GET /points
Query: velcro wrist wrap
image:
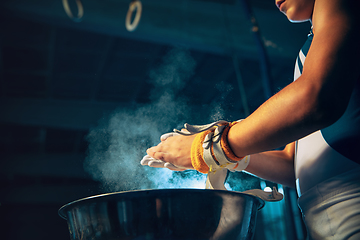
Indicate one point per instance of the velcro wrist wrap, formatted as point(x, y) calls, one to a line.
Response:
point(197, 153)
point(210, 150)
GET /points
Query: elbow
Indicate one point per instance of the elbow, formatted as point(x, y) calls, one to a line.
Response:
point(323, 109)
point(328, 115)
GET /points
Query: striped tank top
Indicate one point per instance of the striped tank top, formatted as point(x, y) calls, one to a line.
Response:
point(330, 151)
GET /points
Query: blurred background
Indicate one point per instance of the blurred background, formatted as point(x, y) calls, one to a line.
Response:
point(82, 98)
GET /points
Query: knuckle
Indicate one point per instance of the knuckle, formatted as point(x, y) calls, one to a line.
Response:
point(159, 155)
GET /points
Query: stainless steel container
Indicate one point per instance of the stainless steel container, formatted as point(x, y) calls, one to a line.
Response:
point(163, 215)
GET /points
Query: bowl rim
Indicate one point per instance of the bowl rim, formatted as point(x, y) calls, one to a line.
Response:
point(62, 211)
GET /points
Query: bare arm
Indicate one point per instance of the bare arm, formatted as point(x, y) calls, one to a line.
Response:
point(317, 98)
point(275, 166)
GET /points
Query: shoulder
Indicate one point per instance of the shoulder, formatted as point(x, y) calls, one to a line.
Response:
point(335, 14)
point(336, 27)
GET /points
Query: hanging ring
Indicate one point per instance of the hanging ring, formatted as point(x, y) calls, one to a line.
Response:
point(69, 13)
point(134, 5)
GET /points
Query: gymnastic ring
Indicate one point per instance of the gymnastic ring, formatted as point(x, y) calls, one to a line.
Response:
point(131, 26)
point(69, 13)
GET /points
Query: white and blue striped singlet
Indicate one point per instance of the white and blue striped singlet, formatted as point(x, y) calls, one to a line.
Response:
point(330, 151)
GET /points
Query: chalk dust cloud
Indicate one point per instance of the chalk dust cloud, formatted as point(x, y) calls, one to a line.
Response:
point(120, 140)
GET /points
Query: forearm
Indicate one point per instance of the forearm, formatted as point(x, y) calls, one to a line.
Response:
point(275, 166)
point(286, 117)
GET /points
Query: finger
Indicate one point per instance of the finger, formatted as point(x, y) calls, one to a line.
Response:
point(157, 155)
point(170, 166)
point(156, 163)
point(151, 151)
point(164, 156)
point(145, 160)
point(167, 135)
point(173, 167)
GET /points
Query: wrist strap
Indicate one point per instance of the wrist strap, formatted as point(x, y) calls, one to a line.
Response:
point(197, 153)
point(210, 150)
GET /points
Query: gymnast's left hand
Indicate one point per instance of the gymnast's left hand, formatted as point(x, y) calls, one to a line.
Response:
point(175, 150)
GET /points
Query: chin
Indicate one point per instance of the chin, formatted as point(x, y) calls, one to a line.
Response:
point(297, 19)
point(298, 16)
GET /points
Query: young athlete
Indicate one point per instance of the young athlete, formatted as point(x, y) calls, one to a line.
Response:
point(317, 117)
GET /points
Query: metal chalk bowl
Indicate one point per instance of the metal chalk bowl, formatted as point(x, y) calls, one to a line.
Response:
point(163, 214)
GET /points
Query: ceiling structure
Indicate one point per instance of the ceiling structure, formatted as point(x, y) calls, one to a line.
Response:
point(59, 78)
